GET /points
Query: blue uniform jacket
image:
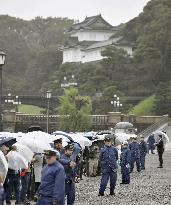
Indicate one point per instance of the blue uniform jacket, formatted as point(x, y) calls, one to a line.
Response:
point(151, 140)
point(69, 171)
point(135, 151)
point(108, 158)
point(53, 183)
point(125, 157)
point(143, 148)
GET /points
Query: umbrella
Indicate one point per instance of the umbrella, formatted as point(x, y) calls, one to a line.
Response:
point(123, 125)
point(7, 141)
point(83, 141)
point(25, 151)
point(121, 137)
point(36, 141)
point(16, 161)
point(33, 128)
point(63, 134)
point(164, 137)
point(3, 166)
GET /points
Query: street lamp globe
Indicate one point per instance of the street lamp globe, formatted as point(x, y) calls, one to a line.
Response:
point(2, 58)
point(48, 94)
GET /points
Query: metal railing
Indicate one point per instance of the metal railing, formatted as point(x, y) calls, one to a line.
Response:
point(154, 127)
point(95, 119)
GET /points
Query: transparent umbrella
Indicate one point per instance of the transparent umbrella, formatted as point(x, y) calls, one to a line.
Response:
point(25, 151)
point(16, 161)
point(3, 167)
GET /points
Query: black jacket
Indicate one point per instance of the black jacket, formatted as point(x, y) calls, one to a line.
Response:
point(160, 146)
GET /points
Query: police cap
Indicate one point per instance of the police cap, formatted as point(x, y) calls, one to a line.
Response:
point(69, 147)
point(108, 138)
point(50, 153)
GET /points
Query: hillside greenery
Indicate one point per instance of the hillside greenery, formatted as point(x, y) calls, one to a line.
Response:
point(34, 62)
point(145, 107)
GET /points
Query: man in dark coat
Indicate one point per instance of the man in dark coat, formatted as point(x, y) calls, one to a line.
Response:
point(52, 188)
point(160, 150)
point(108, 160)
point(151, 143)
point(143, 152)
point(125, 161)
point(135, 155)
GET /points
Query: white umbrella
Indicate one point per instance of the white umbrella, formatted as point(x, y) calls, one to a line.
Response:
point(36, 141)
point(3, 166)
point(164, 137)
point(83, 141)
point(16, 161)
point(121, 137)
point(24, 151)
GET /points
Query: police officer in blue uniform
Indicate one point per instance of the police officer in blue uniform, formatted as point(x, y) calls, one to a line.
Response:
point(69, 167)
point(108, 160)
point(125, 161)
point(151, 143)
point(52, 188)
point(143, 152)
point(135, 154)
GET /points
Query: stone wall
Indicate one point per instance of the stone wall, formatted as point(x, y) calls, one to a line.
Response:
point(18, 122)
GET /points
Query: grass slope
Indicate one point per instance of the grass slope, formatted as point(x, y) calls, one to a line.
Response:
point(30, 109)
point(145, 107)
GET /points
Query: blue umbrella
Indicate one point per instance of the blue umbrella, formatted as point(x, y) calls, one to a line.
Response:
point(7, 141)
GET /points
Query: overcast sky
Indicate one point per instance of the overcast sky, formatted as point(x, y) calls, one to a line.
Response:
point(114, 11)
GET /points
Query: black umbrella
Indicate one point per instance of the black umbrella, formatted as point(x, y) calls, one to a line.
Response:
point(8, 142)
point(33, 128)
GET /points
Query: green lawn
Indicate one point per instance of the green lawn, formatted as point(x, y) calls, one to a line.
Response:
point(30, 109)
point(145, 107)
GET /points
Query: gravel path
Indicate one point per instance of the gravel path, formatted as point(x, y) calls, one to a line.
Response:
point(150, 187)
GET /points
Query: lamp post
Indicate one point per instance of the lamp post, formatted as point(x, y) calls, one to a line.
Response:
point(67, 83)
point(2, 62)
point(116, 103)
point(48, 97)
point(10, 101)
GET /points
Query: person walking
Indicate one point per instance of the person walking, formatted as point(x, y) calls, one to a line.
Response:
point(143, 152)
point(108, 160)
point(52, 188)
point(160, 150)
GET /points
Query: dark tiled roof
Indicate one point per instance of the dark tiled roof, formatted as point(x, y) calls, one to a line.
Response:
point(91, 23)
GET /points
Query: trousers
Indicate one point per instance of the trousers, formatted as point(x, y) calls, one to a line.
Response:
point(106, 175)
point(133, 161)
point(93, 164)
point(125, 175)
point(70, 192)
point(13, 182)
point(142, 161)
point(44, 201)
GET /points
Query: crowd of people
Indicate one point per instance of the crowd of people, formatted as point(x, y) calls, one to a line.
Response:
point(51, 176)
